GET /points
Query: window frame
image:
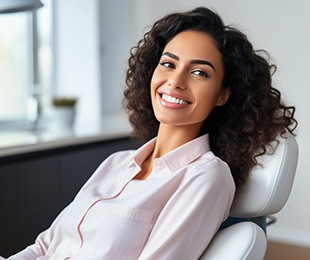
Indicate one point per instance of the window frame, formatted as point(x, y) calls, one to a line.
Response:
point(33, 83)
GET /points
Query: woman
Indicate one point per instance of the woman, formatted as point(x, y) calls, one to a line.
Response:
point(190, 80)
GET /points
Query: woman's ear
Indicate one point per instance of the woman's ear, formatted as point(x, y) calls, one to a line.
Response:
point(225, 95)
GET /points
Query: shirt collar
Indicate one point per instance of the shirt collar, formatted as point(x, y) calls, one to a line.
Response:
point(178, 157)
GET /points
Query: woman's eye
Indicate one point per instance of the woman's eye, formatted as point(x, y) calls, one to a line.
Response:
point(200, 73)
point(166, 64)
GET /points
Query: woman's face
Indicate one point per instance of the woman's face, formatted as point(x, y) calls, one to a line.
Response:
point(187, 83)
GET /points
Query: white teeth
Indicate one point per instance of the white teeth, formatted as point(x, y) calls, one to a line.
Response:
point(174, 100)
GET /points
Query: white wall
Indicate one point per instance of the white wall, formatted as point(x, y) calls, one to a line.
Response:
point(77, 55)
point(116, 28)
point(281, 27)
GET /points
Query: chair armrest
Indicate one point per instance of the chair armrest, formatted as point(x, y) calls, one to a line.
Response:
point(241, 241)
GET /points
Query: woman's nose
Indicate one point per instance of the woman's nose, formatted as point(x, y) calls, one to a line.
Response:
point(177, 80)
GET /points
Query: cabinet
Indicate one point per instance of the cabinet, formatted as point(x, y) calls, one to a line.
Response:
point(35, 187)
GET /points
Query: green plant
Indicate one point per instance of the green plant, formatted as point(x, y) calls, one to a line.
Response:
point(64, 102)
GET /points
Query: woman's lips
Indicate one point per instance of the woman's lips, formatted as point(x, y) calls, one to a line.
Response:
point(174, 101)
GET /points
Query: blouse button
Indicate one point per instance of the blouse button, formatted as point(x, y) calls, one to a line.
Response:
point(159, 163)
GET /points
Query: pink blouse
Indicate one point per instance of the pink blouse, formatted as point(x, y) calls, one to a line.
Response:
point(173, 214)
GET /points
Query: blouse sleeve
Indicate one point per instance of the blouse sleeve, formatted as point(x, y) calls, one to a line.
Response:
point(193, 215)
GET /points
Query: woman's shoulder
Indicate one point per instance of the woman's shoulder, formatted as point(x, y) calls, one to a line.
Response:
point(121, 155)
point(210, 161)
point(116, 160)
point(211, 167)
point(210, 176)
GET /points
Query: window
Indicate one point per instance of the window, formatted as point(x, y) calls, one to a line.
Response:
point(17, 55)
point(15, 61)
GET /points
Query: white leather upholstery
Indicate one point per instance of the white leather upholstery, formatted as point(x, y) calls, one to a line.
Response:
point(265, 192)
point(269, 184)
point(241, 241)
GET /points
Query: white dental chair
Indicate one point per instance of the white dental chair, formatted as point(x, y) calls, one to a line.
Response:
point(265, 193)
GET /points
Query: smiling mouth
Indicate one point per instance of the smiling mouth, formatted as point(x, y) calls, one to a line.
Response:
point(174, 100)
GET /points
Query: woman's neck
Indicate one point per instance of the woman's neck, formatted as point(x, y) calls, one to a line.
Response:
point(170, 137)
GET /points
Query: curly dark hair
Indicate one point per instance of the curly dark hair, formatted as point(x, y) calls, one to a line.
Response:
point(254, 115)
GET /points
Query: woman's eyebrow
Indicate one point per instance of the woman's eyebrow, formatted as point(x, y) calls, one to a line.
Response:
point(204, 62)
point(171, 55)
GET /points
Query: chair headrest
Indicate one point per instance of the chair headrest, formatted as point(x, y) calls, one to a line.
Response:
point(270, 182)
